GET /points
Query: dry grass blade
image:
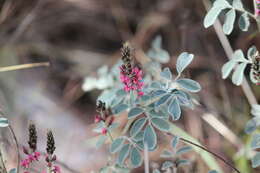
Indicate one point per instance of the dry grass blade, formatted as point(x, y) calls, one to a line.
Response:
point(24, 66)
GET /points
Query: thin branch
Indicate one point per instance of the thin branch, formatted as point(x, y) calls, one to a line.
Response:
point(23, 66)
point(2, 162)
point(214, 154)
point(146, 158)
point(17, 147)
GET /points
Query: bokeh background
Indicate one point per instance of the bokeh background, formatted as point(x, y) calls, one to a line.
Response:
point(79, 36)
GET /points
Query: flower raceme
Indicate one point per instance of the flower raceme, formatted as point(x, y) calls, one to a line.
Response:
point(130, 76)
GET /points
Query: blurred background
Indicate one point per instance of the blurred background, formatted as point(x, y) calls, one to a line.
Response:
point(79, 36)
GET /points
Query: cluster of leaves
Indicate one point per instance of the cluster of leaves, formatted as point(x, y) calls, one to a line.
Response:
point(251, 127)
point(230, 10)
point(238, 62)
point(164, 95)
point(173, 161)
point(152, 112)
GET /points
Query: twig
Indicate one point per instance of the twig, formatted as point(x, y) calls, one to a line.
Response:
point(146, 158)
point(17, 147)
point(214, 154)
point(23, 66)
point(2, 162)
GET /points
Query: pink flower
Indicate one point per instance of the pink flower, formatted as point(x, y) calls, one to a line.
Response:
point(103, 131)
point(140, 93)
point(30, 157)
point(97, 119)
point(25, 163)
point(132, 81)
point(56, 169)
point(36, 155)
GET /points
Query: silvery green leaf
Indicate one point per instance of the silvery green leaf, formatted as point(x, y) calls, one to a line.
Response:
point(175, 141)
point(140, 144)
point(255, 144)
point(183, 61)
point(120, 169)
point(166, 165)
point(256, 160)
point(163, 100)
point(121, 93)
point(157, 53)
point(255, 110)
point(183, 98)
point(251, 52)
point(182, 162)
point(150, 137)
point(123, 154)
point(101, 141)
point(213, 171)
point(160, 124)
point(158, 93)
point(99, 127)
point(4, 122)
point(252, 124)
point(139, 136)
point(156, 85)
point(166, 73)
point(238, 75)
point(183, 150)
point(13, 170)
point(189, 85)
point(113, 126)
point(159, 114)
point(157, 42)
point(137, 126)
point(135, 157)
point(214, 12)
point(238, 56)
point(174, 109)
point(227, 68)
point(119, 108)
point(117, 145)
point(229, 21)
point(238, 4)
point(222, 3)
point(104, 170)
point(166, 154)
point(244, 22)
point(156, 171)
point(134, 112)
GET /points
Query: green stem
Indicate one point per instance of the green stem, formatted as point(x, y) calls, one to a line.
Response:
point(110, 136)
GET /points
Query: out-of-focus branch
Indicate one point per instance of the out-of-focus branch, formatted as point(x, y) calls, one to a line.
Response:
point(229, 52)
